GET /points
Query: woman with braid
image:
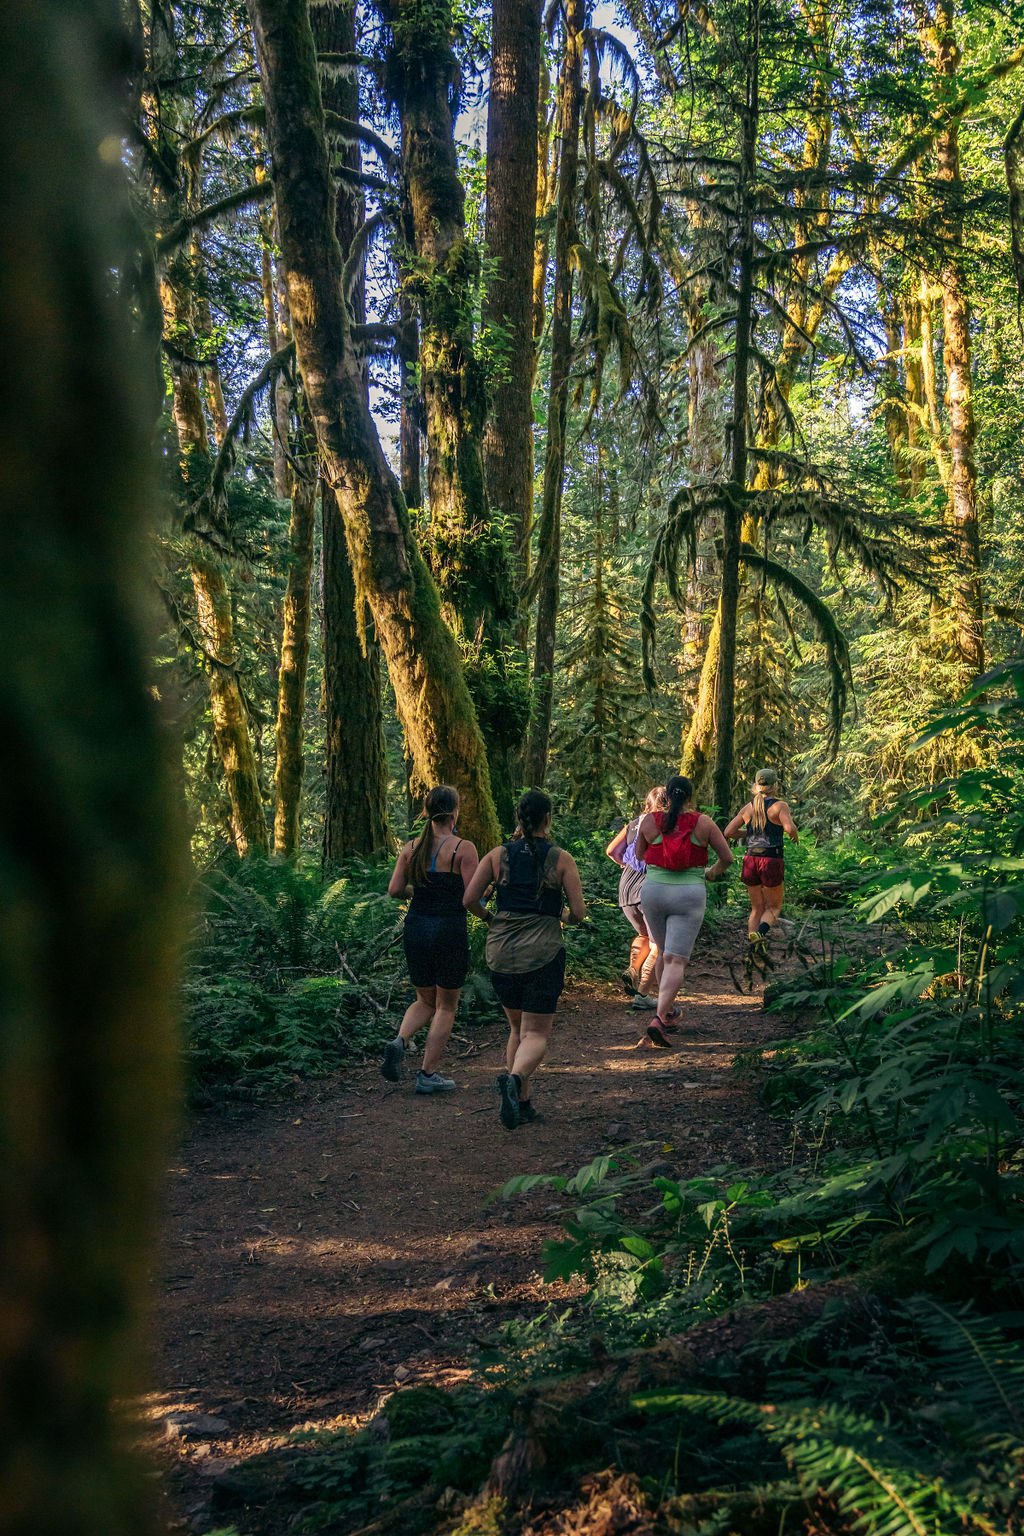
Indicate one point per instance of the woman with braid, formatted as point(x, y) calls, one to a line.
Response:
point(674, 845)
point(763, 822)
point(433, 870)
point(531, 876)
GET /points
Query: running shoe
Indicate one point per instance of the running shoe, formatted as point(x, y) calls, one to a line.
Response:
point(508, 1086)
point(643, 1004)
point(433, 1082)
point(527, 1113)
point(630, 978)
point(394, 1060)
point(657, 1035)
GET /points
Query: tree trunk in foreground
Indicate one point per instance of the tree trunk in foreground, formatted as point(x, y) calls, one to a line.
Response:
point(431, 695)
point(570, 97)
point(355, 768)
point(90, 868)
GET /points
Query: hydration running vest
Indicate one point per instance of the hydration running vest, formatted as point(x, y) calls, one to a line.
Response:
point(676, 850)
point(767, 842)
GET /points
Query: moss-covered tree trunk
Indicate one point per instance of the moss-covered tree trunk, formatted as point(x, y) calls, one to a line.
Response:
point(549, 532)
point(355, 788)
point(355, 767)
point(433, 701)
point(968, 591)
point(228, 711)
point(512, 182)
point(467, 546)
point(289, 727)
point(90, 866)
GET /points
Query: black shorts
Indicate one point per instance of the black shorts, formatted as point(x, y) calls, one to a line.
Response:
point(534, 991)
point(436, 951)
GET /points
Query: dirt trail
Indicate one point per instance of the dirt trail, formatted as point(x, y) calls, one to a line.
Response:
point(319, 1252)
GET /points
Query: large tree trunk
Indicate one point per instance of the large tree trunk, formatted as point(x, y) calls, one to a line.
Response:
point(90, 871)
point(355, 810)
point(431, 695)
point(968, 597)
point(725, 682)
point(512, 180)
point(289, 762)
point(228, 711)
point(355, 769)
point(549, 533)
point(467, 546)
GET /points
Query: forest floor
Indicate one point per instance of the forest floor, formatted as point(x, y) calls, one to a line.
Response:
point(319, 1252)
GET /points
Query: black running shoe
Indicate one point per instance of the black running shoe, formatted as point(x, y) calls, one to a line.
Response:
point(508, 1086)
point(527, 1113)
point(394, 1060)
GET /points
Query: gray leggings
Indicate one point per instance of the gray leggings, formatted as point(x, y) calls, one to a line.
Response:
point(674, 914)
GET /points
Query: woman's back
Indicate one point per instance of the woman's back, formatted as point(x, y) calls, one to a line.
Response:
point(528, 880)
point(439, 893)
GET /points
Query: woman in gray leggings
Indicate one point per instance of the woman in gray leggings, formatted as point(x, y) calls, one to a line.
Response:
point(674, 843)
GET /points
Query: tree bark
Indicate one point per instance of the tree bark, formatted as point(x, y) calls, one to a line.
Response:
point(433, 701)
point(228, 711)
point(91, 868)
point(512, 181)
point(968, 594)
point(355, 768)
point(355, 812)
point(570, 97)
point(725, 683)
point(289, 761)
point(467, 545)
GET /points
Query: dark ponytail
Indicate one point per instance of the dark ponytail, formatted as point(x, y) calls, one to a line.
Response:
point(678, 792)
point(533, 810)
point(441, 803)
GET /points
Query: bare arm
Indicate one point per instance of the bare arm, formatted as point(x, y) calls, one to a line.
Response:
point(572, 887)
point(483, 878)
point(781, 814)
point(646, 835)
point(398, 885)
point(467, 862)
point(706, 831)
point(617, 846)
point(737, 824)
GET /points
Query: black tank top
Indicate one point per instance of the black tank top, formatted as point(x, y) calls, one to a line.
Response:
point(525, 882)
point(440, 893)
point(770, 839)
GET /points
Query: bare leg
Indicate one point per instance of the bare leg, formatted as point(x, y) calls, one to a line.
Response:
point(757, 904)
point(534, 1039)
point(673, 968)
point(639, 951)
point(772, 895)
point(441, 1027)
point(649, 971)
point(515, 1024)
point(419, 1013)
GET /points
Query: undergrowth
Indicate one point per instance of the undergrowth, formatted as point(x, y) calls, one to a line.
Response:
point(836, 1348)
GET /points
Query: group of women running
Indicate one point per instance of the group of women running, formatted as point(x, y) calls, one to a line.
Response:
point(536, 887)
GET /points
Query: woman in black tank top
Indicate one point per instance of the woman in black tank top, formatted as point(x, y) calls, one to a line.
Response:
point(433, 871)
point(763, 822)
point(532, 877)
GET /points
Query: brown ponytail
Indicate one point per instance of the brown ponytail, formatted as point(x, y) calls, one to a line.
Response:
point(533, 810)
point(438, 805)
